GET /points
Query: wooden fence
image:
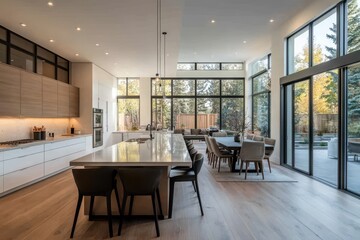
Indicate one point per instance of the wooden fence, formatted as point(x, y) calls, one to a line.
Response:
point(204, 120)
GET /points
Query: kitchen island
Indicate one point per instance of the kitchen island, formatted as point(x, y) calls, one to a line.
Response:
point(164, 151)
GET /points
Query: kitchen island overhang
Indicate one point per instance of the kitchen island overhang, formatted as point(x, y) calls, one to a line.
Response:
point(164, 151)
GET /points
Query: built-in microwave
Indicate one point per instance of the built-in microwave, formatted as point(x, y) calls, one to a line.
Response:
point(98, 118)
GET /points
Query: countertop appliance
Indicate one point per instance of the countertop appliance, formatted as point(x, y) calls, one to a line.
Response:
point(97, 127)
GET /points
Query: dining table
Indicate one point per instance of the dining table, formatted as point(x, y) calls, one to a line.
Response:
point(229, 143)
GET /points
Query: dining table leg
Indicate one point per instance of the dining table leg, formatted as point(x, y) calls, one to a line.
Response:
point(234, 160)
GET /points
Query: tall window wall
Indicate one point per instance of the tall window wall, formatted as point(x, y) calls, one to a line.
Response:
point(197, 103)
point(320, 96)
point(128, 104)
point(20, 52)
point(261, 85)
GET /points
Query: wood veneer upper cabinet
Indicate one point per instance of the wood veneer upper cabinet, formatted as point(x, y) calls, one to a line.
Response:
point(74, 101)
point(31, 95)
point(9, 91)
point(50, 97)
point(63, 99)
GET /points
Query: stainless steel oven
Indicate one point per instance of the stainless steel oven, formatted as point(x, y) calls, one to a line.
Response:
point(97, 127)
point(97, 137)
point(98, 118)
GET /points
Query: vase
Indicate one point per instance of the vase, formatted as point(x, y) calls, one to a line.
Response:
point(237, 138)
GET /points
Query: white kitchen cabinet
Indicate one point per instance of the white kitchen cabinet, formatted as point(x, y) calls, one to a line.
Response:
point(89, 144)
point(22, 165)
point(22, 162)
point(59, 154)
point(23, 176)
point(20, 152)
point(1, 172)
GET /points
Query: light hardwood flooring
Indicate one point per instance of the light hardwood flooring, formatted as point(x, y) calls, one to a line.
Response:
point(305, 209)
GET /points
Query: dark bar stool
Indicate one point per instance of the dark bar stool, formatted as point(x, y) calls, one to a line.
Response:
point(95, 182)
point(186, 176)
point(141, 181)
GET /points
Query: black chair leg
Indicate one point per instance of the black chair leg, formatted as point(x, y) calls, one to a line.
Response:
point(241, 166)
point(159, 203)
point(193, 185)
point(117, 199)
point(76, 215)
point(122, 213)
point(92, 199)
point(108, 202)
point(198, 195)
point(172, 183)
point(131, 204)
point(155, 215)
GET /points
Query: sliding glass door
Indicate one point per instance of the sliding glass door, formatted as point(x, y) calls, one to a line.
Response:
point(311, 123)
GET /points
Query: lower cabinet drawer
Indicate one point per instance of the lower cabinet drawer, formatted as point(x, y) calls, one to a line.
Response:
point(23, 176)
point(63, 152)
point(1, 168)
point(1, 184)
point(23, 162)
point(61, 163)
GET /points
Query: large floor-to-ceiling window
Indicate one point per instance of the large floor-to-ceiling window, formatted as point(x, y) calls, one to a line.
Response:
point(320, 95)
point(261, 85)
point(198, 103)
point(128, 101)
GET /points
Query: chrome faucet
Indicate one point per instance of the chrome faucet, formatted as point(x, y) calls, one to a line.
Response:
point(150, 128)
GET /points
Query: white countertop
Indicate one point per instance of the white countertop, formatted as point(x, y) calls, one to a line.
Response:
point(163, 150)
point(48, 140)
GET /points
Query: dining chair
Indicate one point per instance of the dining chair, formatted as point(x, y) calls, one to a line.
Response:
point(189, 176)
point(138, 181)
point(249, 136)
point(219, 134)
point(258, 138)
point(218, 154)
point(268, 152)
point(252, 152)
point(95, 182)
point(209, 150)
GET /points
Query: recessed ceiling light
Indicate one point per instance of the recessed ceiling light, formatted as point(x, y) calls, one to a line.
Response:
point(51, 40)
point(50, 4)
point(78, 29)
point(107, 53)
point(97, 44)
point(271, 20)
point(76, 54)
point(23, 24)
point(244, 41)
point(212, 21)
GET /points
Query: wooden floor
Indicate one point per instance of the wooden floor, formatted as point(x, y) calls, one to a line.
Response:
point(305, 209)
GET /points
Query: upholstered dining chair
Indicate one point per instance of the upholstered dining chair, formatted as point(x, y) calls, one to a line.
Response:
point(258, 138)
point(218, 154)
point(219, 134)
point(268, 152)
point(144, 182)
point(249, 136)
point(252, 152)
point(209, 150)
point(186, 176)
point(95, 182)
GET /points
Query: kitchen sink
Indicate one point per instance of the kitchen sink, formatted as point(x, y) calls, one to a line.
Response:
point(139, 140)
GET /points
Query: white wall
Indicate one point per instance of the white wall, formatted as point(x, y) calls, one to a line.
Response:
point(97, 90)
point(309, 13)
point(105, 91)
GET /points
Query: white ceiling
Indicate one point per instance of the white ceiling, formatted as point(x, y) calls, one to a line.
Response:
point(127, 30)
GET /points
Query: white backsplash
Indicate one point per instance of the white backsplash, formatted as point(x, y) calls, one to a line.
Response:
point(21, 128)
